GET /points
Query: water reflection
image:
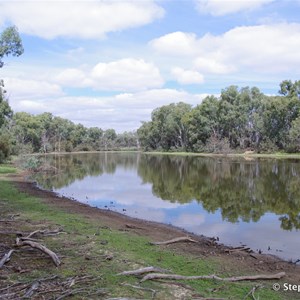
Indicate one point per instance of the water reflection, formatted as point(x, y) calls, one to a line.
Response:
point(213, 196)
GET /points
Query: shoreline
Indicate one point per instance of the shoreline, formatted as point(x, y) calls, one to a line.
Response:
point(84, 208)
point(99, 242)
point(195, 154)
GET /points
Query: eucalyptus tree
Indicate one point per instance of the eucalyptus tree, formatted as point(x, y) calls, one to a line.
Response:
point(10, 45)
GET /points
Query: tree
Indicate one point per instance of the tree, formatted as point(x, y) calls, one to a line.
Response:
point(289, 88)
point(10, 43)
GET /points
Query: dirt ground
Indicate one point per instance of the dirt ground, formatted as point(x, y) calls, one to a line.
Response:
point(232, 259)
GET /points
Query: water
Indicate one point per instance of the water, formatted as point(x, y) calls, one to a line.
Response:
point(251, 202)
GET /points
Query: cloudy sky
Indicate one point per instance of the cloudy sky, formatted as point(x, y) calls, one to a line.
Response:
point(110, 63)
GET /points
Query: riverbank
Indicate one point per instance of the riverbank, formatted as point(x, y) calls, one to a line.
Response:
point(246, 155)
point(100, 244)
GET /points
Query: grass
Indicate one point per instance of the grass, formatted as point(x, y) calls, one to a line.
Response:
point(254, 155)
point(86, 244)
point(7, 169)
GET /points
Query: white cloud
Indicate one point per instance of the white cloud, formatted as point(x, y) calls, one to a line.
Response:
point(211, 65)
point(79, 19)
point(31, 89)
point(124, 111)
point(73, 78)
point(187, 76)
point(127, 74)
point(176, 43)
point(262, 48)
point(222, 7)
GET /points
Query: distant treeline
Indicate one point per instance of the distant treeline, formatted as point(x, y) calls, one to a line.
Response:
point(238, 120)
point(47, 133)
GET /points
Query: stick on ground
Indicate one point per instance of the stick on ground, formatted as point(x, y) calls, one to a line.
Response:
point(154, 276)
point(6, 258)
point(143, 271)
point(175, 240)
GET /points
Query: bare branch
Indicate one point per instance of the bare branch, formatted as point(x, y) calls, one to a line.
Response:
point(154, 276)
point(6, 258)
point(143, 271)
point(175, 240)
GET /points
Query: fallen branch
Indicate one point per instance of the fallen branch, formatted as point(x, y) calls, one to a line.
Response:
point(20, 243)
point(176, 240)
point(154, 276)
point(6, 258)
point(143, 271)
point(43, 232)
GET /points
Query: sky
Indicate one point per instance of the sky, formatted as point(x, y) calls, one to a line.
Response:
point(109, 63)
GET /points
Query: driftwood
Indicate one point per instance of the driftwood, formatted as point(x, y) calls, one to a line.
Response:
point(6, 258)
point(20, 242)
point(143, 271)
point(175, 240)
point(154, 276)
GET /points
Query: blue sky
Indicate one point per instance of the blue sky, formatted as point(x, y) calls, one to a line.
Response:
point(110, 63)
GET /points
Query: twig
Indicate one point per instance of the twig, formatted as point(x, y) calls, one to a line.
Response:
point(176, 240)
point(6, 258)
point(143, 271)
point(154, 276)
point(252, 291)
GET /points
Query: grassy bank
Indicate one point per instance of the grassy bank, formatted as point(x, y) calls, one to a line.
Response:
point(87, 248)
point(252, 155)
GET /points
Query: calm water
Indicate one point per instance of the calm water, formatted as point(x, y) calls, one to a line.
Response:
point(250, 202)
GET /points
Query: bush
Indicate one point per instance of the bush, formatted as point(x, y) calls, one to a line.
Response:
point(267, 146)
point(31, 163)
point(5, 147)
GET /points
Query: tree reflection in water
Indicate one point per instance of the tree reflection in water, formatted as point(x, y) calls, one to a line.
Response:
point(243, 190)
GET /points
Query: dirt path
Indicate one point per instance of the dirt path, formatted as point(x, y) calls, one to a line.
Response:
point(231, 259)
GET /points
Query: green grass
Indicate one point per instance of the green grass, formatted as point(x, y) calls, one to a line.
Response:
point(85, 238)
point(7, 169)
point(254, 155)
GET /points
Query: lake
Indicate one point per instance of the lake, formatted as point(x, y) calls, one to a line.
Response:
point(254, 202)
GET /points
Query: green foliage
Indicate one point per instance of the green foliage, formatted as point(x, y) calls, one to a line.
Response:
point(31, 163)
point(290, 89)
point(7, 169)
point(10, 43)
point(5, 146)
point(239, 120)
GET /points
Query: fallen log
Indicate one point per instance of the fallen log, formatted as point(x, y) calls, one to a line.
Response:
point(20, 243)
point(6, 258)
point(143, 271)
point(175, 240)
point(154, 276)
